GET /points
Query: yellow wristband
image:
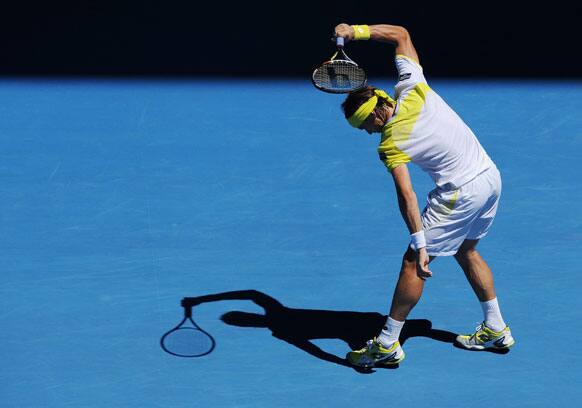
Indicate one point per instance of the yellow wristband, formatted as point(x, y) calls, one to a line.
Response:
point(361, 32)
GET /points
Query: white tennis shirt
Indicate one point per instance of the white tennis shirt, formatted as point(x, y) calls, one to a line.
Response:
point(426, 131)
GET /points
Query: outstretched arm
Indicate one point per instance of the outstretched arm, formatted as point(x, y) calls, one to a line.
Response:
point(259, 298)
point(408, 204)
point(392, 34)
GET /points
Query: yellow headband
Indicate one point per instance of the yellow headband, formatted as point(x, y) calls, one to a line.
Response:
point(367, 107)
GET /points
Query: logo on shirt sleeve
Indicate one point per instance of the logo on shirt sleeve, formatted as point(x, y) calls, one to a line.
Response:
point(404, 77)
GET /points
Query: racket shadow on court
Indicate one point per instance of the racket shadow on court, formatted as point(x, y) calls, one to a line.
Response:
point(187, 339)
point(299, 327)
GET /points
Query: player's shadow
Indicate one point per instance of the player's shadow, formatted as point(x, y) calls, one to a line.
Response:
point(300, 326)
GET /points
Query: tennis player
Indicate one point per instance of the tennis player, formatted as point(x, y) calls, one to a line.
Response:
point(417, 126)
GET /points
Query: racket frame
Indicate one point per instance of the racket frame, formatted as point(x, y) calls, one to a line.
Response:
point(187, 316)
point(339, 57)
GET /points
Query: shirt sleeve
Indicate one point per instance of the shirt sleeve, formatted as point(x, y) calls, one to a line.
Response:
point(392, 156)
point(409, 74)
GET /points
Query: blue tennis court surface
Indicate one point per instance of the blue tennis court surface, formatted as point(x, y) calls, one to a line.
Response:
point(119, 198)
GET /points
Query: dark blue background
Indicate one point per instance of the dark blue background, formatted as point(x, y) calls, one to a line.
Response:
point(253, 38)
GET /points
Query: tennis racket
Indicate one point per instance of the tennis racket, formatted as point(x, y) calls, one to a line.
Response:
point(187, 339)
point(340, 74)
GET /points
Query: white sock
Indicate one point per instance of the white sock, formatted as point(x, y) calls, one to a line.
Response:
point(390, 332)
point(492, 315)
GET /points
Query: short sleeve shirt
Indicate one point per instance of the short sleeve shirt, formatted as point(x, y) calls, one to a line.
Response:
point(426, 131)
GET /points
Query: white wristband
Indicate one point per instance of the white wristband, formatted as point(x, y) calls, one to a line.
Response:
point(417, 240)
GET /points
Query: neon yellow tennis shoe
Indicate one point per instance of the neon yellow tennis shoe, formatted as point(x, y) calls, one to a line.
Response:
point(376, 355)
point(485, 338)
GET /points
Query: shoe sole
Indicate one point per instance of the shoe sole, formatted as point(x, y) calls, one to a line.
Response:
point(379, 363)
point(478, 347)
point(390, 363)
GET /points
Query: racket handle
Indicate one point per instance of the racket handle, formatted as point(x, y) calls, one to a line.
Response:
point(188, 311)
point(187, 305)
point(339, 41)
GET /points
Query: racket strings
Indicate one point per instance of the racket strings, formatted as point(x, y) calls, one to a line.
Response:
point(187, 342)
point(339, 76)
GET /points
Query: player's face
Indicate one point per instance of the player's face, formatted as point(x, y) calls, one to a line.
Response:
point(372, 124)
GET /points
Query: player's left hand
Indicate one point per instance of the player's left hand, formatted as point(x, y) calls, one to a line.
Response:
point(344, 30)
point(422, 262)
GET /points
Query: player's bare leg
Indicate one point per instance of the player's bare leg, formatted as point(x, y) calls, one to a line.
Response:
point(386, 349)
point(406, 295)
point(408, 289)
point(476, 270)
point(493, 333)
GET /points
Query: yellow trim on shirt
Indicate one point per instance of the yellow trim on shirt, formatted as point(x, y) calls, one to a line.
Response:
point(399, 128)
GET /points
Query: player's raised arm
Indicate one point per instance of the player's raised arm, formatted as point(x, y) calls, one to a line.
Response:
point(392, 34)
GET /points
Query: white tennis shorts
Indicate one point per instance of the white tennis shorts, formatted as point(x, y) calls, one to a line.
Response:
point(451, 216)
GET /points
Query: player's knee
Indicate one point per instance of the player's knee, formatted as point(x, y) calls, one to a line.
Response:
point(466, 254)
point(409, 261)
point(409, 256)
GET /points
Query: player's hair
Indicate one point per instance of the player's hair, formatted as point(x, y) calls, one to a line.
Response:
point(357, 98)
